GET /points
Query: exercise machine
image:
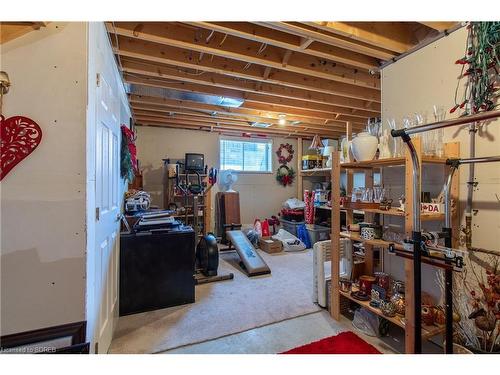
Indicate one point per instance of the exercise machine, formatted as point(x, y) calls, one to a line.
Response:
point(207, 251)
point(229, 226)
point(250, 261)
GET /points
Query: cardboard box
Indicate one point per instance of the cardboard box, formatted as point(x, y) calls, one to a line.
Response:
point(270, 245)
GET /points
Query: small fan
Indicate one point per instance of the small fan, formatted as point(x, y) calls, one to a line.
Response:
point(227, 179)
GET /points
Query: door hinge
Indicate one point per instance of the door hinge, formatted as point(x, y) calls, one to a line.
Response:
point(98, 79)
point(97, 213)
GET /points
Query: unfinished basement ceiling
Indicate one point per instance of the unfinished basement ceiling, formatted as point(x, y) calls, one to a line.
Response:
point(321, 75)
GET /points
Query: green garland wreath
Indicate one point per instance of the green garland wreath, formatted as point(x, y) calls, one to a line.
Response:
point(285, 175)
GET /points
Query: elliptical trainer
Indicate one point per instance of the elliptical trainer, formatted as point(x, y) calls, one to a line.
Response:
point(207, 250)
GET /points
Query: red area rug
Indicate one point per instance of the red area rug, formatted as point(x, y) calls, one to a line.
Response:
point(343, 343)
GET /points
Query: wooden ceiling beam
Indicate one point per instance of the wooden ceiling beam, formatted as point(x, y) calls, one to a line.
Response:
point(262, 116)
point(175, 35)
point(242, 127)
point(297, 43)
point(393, 36)
point(182, 124)
point(162, 54)
point(288, 105)
point(255, 132)
point(308, 116)
point(138, 67)
point(168, 110)
point(439, 26)
point(305, 43)
point(305, 30)
point(12, 30)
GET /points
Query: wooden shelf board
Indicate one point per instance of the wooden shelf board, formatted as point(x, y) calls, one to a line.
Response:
point(316, 172)
point(323, 207)
point(389, 162)
point(396, 212)
point(427, 331)
point(377, 243)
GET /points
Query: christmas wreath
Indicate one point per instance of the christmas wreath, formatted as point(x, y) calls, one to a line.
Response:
point(282, 159)
point(128, 154)
point(285, 175)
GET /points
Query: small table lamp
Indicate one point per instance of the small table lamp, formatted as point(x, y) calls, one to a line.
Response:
point(327, 151)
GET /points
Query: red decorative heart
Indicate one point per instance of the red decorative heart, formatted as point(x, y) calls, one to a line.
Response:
point(19, 137)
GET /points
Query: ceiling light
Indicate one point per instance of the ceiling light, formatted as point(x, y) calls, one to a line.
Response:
point(282, 119)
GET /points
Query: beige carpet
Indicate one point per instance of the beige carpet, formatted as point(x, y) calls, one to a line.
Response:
point(225, 307)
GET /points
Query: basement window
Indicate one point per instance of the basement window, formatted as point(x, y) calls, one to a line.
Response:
point(254, 156)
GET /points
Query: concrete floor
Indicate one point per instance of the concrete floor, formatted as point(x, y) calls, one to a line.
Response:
point(279, 337)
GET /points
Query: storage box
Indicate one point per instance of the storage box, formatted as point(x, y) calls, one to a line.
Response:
point(318, 233)
point(291, 226)
point(310, 162)
point(270, 245)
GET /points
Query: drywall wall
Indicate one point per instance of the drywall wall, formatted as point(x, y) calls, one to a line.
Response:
point(416, 83)
point(43, 197)
point(260, 194)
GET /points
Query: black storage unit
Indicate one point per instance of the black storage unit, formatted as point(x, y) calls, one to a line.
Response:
point(157, 269)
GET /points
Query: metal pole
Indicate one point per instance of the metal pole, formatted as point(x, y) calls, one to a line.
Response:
point(448, 274)
point(447, 197)
point(485, 159)
point(482, 116)
point(417, 238)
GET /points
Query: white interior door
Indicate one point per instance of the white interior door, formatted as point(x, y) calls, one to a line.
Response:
point(107, 185)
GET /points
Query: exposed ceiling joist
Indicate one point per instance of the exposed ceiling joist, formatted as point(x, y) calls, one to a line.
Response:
point(153, 52)
point(292, 42)
point(265, 111)
point(12, 30)
point(314, 32)
point(288, 105)
point(241, 128)
point(223, 130)
point(174, 35)
point(173, 110)
point(393, 36)
point(142, 68)
point(439, 26)
point(257, 115)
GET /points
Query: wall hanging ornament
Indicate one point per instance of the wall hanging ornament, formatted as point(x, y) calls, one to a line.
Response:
point(128, 154)
point(285, 175)
point(19, 137)
point(284, 159)
point(481, 69)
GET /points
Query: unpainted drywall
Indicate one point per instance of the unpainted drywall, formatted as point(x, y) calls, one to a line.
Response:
point(414, 84)
point(260, 194)
point(43, 197)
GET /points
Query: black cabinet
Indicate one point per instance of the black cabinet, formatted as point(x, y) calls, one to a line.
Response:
point(156, 269)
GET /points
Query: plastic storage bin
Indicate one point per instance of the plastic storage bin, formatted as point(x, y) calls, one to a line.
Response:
point(318, 233)
point(291, 226)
